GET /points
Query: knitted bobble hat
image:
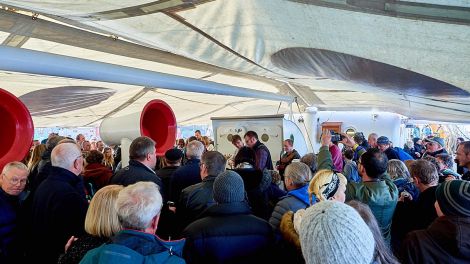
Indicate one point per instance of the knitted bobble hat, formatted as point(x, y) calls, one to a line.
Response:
point(453, 198)
point(333, 232)
point(228, 188)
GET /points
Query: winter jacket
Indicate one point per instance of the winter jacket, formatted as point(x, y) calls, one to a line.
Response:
point(228, 233)
point(404, 185)
point(391, 154)
point(350, 171)
point(262, 194)
point(165, 174)
point(291, 251)
point(183, 177)
point(135, 172)
point(97, 174)
point(413, 215)
point(194, 200)
point(336, 157)
point(79, 248)
point(59, 209)
point(130, 246)
point(381, 195)
point(295, 200)
point(435, 153)
point(446, 240)
point(10, 241)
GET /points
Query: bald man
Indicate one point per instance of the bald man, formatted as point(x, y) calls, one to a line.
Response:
point(59, 204)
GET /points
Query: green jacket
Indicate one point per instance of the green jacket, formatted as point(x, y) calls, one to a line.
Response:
point(381, 195)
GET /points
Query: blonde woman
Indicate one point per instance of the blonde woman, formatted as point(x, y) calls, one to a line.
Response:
point(108, 160)
point(327, 185)
point(101, 223)
point(207, 143)
point(36, 156)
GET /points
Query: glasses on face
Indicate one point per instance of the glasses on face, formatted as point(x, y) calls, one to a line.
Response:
point(15, 181)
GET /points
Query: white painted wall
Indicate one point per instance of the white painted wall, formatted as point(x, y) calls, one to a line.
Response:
point(384, 124)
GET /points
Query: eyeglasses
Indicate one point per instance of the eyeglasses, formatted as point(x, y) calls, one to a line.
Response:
point(15, 181)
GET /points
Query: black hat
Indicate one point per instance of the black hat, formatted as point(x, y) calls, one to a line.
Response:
point(173, 154)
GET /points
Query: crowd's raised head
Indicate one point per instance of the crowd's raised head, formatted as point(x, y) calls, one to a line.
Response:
point(141, 147)
point(53, 141)
point(67, 156)
point(310, 160)
point(374, 163)
point(173, 156)
point(424, 172)
point(333, 232)
point(94, 157)
point(194, 149)
point(214, 162)
point(327, 185)
point(101, 218)
point(297, 174)
point(14, 177)
point(228, 188)
point(138, 206)
point(397, 169)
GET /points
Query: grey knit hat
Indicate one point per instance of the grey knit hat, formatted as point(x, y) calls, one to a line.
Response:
point(333, 232)
point(228, 188)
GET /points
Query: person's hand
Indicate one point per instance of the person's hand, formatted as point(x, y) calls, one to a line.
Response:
point(69, 242)
point(405, 196)
point(450, 178)
point(347, 140)
point(418, 154)
point(325, 138)
point(172, 208)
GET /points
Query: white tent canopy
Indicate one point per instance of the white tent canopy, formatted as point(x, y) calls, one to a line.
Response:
point(408, 57)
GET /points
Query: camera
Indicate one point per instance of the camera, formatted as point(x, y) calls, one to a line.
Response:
point(335, 137)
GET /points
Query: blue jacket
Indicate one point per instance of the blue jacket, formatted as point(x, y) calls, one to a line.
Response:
point(130, 246)
point(228, 233)
point(295, 200)
point(404, 185)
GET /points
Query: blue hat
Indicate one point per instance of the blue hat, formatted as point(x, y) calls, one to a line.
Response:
point(437, 140)
point(383, 140)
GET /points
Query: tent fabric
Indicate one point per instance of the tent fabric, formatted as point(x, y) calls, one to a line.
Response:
point(408, 57)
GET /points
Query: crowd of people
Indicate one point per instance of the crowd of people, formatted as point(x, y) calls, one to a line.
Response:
point(356, 200)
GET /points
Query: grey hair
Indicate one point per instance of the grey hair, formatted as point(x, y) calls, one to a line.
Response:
point(397, 169)
point(64, 155)
point(140, 147)
point(298, 172)
point(14, 164)
point(194, 149)
point(138, 204)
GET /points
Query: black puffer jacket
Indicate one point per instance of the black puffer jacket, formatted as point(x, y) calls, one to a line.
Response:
point(228, 234)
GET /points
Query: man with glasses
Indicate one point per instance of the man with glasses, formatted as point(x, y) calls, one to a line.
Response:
point(434, 146)
point(59, 204)
point(12, 195)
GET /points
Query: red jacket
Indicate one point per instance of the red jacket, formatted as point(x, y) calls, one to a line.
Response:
point(98, 174)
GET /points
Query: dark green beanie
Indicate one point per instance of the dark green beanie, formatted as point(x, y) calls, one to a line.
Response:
point(453, 198)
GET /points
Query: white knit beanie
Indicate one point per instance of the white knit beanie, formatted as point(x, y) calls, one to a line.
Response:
point(333, 232)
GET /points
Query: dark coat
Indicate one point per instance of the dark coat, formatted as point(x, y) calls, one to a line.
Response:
point(165, 174)
point(183, 177)
point(97, 174)
point(135, 172)
point(194, 200)
point(391, 153)
point(446, 240)
point(413, 215)
point(228, 234)
point(79, 248)
point(262, 194)
point(59, 209)
point(435, 153)
point(10, 244)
